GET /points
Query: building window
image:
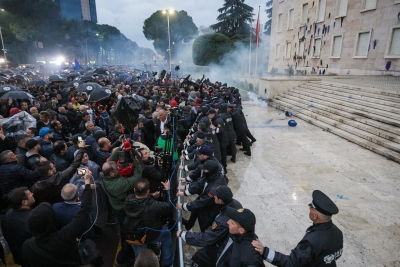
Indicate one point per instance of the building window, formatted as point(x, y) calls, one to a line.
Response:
point(393, 43)
point(336, 46)
point(290, 19)
point(280, 22)
point(362, 44)
point(301, 48)
point(304, 14)
point(342, 8)
point(277, 50)
point(321, 10)
point(288, 49)
point(369, 5)
point(317, 47)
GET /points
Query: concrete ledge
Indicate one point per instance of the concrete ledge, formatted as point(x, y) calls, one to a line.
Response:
point(268, 88)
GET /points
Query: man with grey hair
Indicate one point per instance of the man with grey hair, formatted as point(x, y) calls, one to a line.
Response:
point(66, 211)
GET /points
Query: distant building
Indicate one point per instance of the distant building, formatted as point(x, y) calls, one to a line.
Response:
point(338, 36)
point(78, 9)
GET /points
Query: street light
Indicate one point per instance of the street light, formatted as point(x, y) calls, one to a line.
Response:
point(2, 43)
point(168, 12)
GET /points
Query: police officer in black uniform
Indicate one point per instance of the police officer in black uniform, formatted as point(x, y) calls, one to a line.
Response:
point(321, 246)
point(212, 238)
point(227, 117)
point(238, 250)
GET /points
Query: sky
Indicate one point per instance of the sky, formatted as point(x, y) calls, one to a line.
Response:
point(128, 15)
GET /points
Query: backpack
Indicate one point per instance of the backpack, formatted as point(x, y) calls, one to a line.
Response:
point(132, 228)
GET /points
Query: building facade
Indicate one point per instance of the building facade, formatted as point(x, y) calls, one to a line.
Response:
point(356, 37)
point(78, 9)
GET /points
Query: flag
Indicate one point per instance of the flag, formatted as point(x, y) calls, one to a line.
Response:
point(77, 66)
point(258, 29)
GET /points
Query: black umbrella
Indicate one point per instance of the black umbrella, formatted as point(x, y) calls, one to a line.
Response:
point(57, 78)
point(9, 72)
point(85, 78)
point(7, 88)
point(73, 84)
point(101, 71)
point(73, 75)
point(2, 79)
point(87, 87)
point(99, 94)
point(16, 95)
point(39, 82)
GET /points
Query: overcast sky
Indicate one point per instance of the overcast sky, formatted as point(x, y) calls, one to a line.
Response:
point(128, 16)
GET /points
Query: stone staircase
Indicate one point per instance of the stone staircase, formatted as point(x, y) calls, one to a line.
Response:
point(366, 116)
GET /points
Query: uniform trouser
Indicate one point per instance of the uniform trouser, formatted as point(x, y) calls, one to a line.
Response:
point(224, 154)
point(249, 135)
point(126, 250)
point(232, 147)
point(245, 142)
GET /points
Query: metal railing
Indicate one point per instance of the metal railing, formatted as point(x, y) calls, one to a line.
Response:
point(180, 200)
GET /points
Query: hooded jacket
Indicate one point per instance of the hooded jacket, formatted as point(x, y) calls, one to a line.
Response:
point(151, 212)
point(53, 247)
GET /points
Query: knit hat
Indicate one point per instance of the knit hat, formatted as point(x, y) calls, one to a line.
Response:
point(14, 111)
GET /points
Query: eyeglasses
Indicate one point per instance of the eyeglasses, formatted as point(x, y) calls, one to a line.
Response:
point(311, 205)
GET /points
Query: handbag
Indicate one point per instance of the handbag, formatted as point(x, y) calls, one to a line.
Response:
point(89, 253)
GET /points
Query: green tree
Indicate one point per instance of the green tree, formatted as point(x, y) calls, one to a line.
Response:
point(182, 30)
point(234, 20)
point(268, 10)
point(210, 48)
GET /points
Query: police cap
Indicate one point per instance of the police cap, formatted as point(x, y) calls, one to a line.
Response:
point(323, 203)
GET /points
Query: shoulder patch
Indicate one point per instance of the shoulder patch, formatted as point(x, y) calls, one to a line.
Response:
point(214, 226)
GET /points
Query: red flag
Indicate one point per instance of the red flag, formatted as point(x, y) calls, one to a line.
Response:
point(258, 29)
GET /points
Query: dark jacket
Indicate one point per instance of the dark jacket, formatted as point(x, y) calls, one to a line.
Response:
point(212, 238)
point(60, 162)
point(59, 136)
point(32, 161)
point(321, 246)
point(66, 124)
point(71, 115)
point(238, 251)
point(151, 212)
point(230, 131)
point(204, 204)
point(70, 152)
point(153, 174)
point(48, 189)
point(14, 175)
point(20, 151)
point(100, 156)
point(239, 123)
point(7, 144)
point(46, 149)
point(15, 230)
point(59, 246)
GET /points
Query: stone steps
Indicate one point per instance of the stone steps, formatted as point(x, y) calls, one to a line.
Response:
point(386, 131)
point(355, 92)
point(373, 123)
point(314, 96)
point(354, 111)
point(369, 133)
point(358, 99)
point(360, 89)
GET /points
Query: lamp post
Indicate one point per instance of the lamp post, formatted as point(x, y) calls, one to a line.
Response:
point(168, 12)
point(2, 43)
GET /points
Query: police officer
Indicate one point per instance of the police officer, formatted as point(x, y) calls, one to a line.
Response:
point(238, 250)
point(227, 117)
point(321, 246)
point(240, 126)
point(212, 238)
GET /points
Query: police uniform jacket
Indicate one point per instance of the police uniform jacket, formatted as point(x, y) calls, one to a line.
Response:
point(321, 246)
point(238, 251)
point(212, 238)
point(239, 123)
point(227, 117)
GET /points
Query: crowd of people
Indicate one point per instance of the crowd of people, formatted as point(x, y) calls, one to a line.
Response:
point(79, 161)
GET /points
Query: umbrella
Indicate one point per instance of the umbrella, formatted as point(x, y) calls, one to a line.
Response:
point(2, 79)
point(16, 95)
point(73, 84)
point(102, 71)
point(87, 87)
point(99, 94)
point(7, 88)
point(85, 78)
point(56, 78)
point(9, 72)
point(73, 75)
point(37, 82)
